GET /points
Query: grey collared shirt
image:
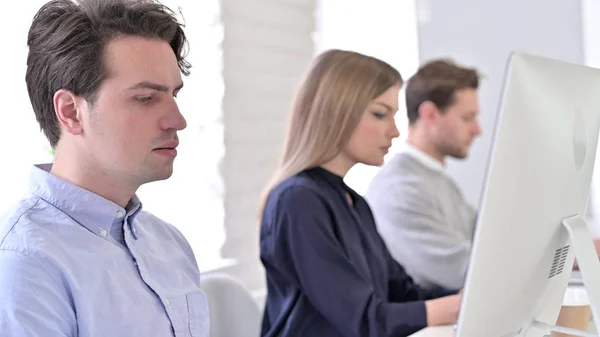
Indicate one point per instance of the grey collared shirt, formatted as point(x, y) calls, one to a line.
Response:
point(75, 264)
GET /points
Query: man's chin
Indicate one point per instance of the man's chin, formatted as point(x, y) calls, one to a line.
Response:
point(160, 175)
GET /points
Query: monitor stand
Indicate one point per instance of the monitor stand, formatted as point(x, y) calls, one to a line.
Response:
point(589, 266)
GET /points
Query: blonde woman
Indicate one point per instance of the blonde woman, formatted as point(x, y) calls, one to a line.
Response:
point(328, 272)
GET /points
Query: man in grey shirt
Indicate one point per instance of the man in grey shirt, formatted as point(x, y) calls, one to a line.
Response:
point(419, 210)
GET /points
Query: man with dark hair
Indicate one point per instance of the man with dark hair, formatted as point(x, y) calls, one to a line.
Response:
point(78, 256)
point(419, 210)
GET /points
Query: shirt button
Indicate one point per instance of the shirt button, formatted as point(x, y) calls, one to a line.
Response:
point(119, 215)
point(168, 302)
point(103, 232)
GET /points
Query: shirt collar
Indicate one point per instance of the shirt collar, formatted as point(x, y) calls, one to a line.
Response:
point(334, 179)
point(423, 157)
point(90, 210)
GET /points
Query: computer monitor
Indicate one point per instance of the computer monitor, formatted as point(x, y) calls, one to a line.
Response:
point(530, 224)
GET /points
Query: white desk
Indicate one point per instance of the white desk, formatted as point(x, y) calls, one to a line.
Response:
point(575, 294)
point(438, 331)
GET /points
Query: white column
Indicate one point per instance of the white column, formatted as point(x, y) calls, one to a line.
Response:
point(266, 47)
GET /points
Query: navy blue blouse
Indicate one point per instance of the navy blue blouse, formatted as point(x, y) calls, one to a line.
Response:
point(328, 271)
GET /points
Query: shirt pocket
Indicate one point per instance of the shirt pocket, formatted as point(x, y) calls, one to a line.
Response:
point(198, 314)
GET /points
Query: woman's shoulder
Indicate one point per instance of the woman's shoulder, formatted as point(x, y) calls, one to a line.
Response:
point(295, 189)
point(294, 199)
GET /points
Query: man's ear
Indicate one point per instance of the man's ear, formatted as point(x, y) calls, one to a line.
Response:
point(428, 112)
point(67, 108)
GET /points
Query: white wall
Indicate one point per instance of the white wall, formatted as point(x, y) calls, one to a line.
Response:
point(590, 10)
point(22, 142)
point(482, 34)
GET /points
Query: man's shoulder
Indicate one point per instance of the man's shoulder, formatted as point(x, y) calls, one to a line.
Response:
point(19, 220)
point(403, 163)
point(33, 229)
point(402, 173)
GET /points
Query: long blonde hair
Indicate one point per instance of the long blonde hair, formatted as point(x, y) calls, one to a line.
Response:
point(330, 101)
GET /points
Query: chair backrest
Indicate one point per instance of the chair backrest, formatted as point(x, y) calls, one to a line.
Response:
point(233, 311)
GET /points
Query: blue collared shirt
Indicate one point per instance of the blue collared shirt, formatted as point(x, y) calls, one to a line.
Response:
point(75, 264)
